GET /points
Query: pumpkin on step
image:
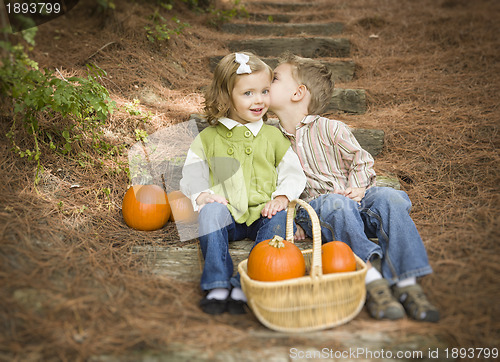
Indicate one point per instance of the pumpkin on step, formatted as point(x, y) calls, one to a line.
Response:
point(182, 209)
point(337, 257)
point(145, 207)
point(275, 259)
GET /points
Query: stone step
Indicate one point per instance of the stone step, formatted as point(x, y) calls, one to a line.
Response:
point(348, 100)
point(336, 344)
point(372, 140)
point(282, 6)
point(313, 47)
point(271, 17)
point(388, 181)
point(185, 263)
point(342, 70)
point(322, 29)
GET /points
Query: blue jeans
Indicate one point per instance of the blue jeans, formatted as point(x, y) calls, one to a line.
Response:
point(217, 229)
point(384, 214)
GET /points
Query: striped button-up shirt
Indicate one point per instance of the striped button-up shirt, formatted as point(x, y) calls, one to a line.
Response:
point(331, 157)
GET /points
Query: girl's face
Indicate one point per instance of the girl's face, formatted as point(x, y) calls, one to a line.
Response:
point(250, 97)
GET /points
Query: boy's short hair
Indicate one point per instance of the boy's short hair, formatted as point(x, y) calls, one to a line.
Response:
point(218, 95)
point(316, 76)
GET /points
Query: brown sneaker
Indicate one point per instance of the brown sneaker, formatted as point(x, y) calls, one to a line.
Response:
point(381, 303)
point(416, 304)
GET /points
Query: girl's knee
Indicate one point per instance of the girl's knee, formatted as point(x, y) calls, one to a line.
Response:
point(213, 213)
point(213, 209)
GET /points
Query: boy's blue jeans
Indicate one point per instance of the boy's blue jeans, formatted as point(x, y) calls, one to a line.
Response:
point(217, 229)
point(383, 213)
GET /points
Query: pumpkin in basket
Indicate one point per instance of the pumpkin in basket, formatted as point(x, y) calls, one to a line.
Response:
point(275, 259)
point(145, 207)
point(182, 209)
point(337, 257)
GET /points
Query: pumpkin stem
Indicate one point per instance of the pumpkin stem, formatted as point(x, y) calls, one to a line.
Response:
point(277, 242)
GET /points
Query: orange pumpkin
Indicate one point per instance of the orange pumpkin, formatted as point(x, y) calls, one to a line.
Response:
point(182, 209)
point(145, 207)
point(337, 257)
point(275, 259)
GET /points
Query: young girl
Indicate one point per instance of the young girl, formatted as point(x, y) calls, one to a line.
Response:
point(239, 173)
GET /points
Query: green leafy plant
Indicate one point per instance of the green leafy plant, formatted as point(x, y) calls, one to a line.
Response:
point(141, 135)
point(105, 5)
point(160, 30)
point(57, 112)
point(197, 5)
point(134, 110)
point(220, 16)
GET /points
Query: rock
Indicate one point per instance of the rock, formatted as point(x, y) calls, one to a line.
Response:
point(348, 100)
point(388, 181)
point(372, 140)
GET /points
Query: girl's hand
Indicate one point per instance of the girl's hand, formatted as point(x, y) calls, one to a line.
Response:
point(206, 198)
point(300, 234)
point(272, 207)
point(355, 193)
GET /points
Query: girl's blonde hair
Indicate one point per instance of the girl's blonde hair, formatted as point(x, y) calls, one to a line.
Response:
point(218, 95)
point(315, 76)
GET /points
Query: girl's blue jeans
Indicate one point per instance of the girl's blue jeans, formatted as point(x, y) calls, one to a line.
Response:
point(217, 229)
point(384, 214)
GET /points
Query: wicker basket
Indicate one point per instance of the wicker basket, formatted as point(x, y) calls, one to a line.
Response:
point(311, 302)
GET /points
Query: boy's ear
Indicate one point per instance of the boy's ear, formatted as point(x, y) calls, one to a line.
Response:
point(300, 93)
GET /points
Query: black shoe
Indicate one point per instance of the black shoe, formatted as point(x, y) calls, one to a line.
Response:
point(213, 306)
point(236, 306)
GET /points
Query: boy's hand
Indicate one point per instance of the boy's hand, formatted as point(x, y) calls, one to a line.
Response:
point(300, 234)
point(355, 193)
point(272, 207)
point(206, 198)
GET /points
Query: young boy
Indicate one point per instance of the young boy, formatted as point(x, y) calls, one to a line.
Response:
point(341, 189)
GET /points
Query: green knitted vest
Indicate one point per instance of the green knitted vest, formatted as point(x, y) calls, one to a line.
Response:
point(242, 167)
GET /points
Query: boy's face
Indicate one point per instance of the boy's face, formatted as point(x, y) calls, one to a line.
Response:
point(283, 87)
point(250, 97)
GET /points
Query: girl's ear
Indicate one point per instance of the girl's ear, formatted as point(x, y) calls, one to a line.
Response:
point(300, 93)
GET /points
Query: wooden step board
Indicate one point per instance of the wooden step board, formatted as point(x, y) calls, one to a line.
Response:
point(314, 47)
point(342, 70)
point(265, 29)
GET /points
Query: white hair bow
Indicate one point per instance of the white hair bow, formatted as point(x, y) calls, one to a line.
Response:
point(242, 60)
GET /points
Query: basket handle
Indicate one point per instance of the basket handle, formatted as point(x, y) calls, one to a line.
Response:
point(316, 266)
